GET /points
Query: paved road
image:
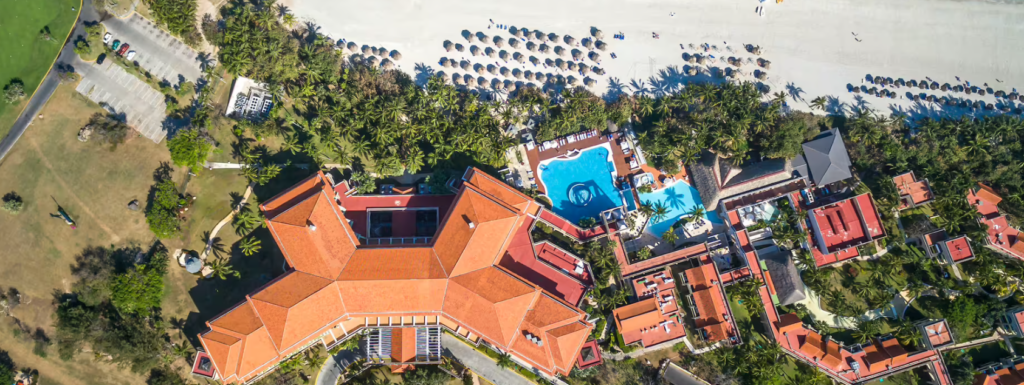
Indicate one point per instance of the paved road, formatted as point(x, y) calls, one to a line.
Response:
point(480, 363)
point(332, 369)
point(166, 57)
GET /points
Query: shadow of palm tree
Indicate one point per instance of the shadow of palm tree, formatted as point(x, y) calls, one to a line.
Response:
point(795, 92)
point(217, 244)
point(615, 90)
point(835, 107)
point(639, 88)
point(423, 74)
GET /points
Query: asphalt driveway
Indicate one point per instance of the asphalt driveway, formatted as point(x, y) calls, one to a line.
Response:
point(120, 92)
point(480, 363)
point(163, 55)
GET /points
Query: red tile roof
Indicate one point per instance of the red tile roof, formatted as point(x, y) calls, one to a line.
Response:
point(336, 279)
point(938, 334)
point(959, 249)
point(917, 191)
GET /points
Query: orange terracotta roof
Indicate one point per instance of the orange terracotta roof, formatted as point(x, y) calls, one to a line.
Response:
point(392, 264)
point(717, 332)
point(812, 345)
point(241, 320)
point(935, 237)
point(297, 305)
point(549, 312)
point(456, 243)
point(895, 351)
point(490, 301)
point(833, 355)
point(709, 305)
point(987, 194)
point(917, 190)
point(393, 296)
point(789, 322)
point(875, 357)
point(403, 344)
point(290, 197)
point(499, 190)
point(636, 316)
point(701, 277)
point(258, 352)
point(223, 349)
point(314, 237)
point(565, 343)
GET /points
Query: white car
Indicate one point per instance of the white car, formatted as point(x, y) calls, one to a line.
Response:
point(107, 37)
point(130, 55)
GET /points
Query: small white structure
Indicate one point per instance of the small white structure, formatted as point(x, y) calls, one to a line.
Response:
point(248, 99)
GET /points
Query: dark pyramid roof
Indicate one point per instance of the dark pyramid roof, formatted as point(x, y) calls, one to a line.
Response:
point(786, 278)
point(827, 158)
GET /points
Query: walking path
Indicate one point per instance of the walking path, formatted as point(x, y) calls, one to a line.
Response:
point(479, 362)
point(213, 233)
point(812, 302)
point(335, 365)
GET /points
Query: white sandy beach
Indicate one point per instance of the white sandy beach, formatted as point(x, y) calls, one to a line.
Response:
point(810, 43)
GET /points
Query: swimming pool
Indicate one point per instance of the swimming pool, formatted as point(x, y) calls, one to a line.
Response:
point(680, 199)
point(581, 187)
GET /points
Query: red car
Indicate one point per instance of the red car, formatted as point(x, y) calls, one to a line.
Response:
point(123, 49)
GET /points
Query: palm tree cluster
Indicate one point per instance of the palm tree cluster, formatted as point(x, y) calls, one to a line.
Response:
point(727, 119)
point(179, 16)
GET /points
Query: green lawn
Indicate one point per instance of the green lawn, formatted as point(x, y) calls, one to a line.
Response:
point(27, 57)
point(988, 353)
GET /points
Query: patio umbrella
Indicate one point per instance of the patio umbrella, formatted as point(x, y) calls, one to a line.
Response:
point(534, 60)
point(544, 48)
point(480, 69)
point(601, 45)
point(589, 82)
point(492, 69)
point(572, 66)
point(458, 80)
point(569, 40)
point(528, 75)
point(367, 50)
point(517, 73)
point(514, 43)
point(531, 46)
point(448, 46)
point(503, 55)
point(519, 57)
point(490, 52)
point(540, 36)
point(577, 54)
point(442, 75)
point(498, 41)
point(353, 47)
point(572, 80)
point(470, 81)
point(387, 64)
point(396, 55)
point(371, 61)
point(464, 65)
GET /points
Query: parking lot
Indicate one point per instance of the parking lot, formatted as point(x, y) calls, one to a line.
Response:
point(120, 92)
point(157, 51)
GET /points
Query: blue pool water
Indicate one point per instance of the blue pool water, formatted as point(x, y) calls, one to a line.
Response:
point(680, 199)
point(581, 187)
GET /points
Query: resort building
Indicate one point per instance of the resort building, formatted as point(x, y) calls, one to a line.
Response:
point(936, 334)
point(1013, 321)
point(399, 290)
point(1001, 236)
point(709, 308)
point(249, 99)
point(913, 192)
point(590, 355)
point(1005, 372)
point(956, 250)
point(650, 322)
point(837, 229)
point(782, 277)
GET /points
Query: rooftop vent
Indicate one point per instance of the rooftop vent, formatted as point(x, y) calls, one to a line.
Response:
point(311, 226)
point(472, 225)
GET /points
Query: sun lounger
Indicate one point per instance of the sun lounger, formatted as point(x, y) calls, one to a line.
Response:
point(572, 138)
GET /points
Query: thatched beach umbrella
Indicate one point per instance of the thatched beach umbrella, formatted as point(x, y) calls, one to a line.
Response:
point(691, 71)
point(572, 66)
point(525, 31)
point(589, 43)
point(372, 61)
point(528, 75)
point(944, 87)
point(571, 80)
point(448, 46)
point(540, 77)
point(367, 50)
point(544, 48)
point(589, 82)
point(912, 83)
point(534, 60)
point(353, 47)
point(484, 39)
point(577, 54)
point(969, 90)
point(548, 62)
point(387, 64)
point(506, 72)
point(736, 62)
point(877, 80)
point(497, 84)
point(764, 64)
point(490, 52)
point(458, 80)
point(596, 33)
point(560, 51)
point(514, 43)
point(464, 65)
point(563, 65)
point(754, 49)
point(701, 60)
point(557, 79)
point(765, 89)
point(584, 69)
point(396, 55)
point(934, 86)
point(569, 40)
point(517, 73)
point(378, 51)
point(760, 75)
point(900, 82)
point(470, 81)
point(531, 46)
point(442, 75)
point(459, 47)
point(510, 87)
point(1013, 96)
point(598, 70)
point(601, 45)
point(445, 63)
point(468, 35)
point(498, 41)
point(493, 69)
point(989, 107)
point(474, 50)
point(503, 55)
point(540, 36)
point(517, 32)
point(1000, 94)
point(479, 68)
point(519, 57)
point(982, 92)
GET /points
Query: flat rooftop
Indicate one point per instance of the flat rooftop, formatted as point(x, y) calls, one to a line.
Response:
point(845, 224)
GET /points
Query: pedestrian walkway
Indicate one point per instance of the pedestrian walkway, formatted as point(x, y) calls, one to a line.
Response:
point(335, 365)
point(479, 362)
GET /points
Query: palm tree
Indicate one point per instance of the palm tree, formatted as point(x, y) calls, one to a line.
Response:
point(749, 293)
point(505, 361)
point(805, 260)
point(246, 220)
point(660, 212)
point(866, 330)
point(221, 269)
point(818, 103)
point(288, 20)
point(250, 245)
point(182, 350)
point(647, 209)
point(697, 214)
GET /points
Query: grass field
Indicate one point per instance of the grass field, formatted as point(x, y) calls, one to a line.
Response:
point(25, 56)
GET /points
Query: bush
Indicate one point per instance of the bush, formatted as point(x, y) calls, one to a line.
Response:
point(364, 182)
point(14, 91)
point(189, 148)
point(13, 203)
point(162, 215)
point(645, 189)
point(587, 222)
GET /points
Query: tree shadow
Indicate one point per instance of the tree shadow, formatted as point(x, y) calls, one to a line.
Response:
point(615, 90)
point(795, 92)
point(833, 106)
point(423, 74)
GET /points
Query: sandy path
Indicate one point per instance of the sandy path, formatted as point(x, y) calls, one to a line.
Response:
point(809, 42)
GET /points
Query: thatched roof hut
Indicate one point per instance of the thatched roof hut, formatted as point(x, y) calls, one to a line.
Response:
point(396, 55)
point(493, 69)
point(589, 43)
point(506, 72)
point(572, 66)
point(517, 73)
point(371, 61)
point(490, 52)
point(448, 46)
point(503, 55)
point(498, 41)
point(519, 57)
point(560, 51)
point(474, 50)
point(458, 80)
point(514, 43)
point(596, 33)
point(569, 40)
point(598, 70)
point(479, 68)
point(544, 48)
point(589, 82)
point(601, 45)
point(553, 37)
point(531, 46)
point(353, 47)
point(445, 63)
point(465, 65)
point(534, 60)
point(459, 47)
point(540, 36)
point(387, 64)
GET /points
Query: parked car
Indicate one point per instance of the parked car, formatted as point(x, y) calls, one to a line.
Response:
point(117, 43)
point(107, 37)
point(123, 49)
point(130, 55)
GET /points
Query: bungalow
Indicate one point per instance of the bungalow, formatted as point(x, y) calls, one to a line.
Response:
point(1001, 236)
point(837, 229)
point(936, 334)
point(913, 192)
